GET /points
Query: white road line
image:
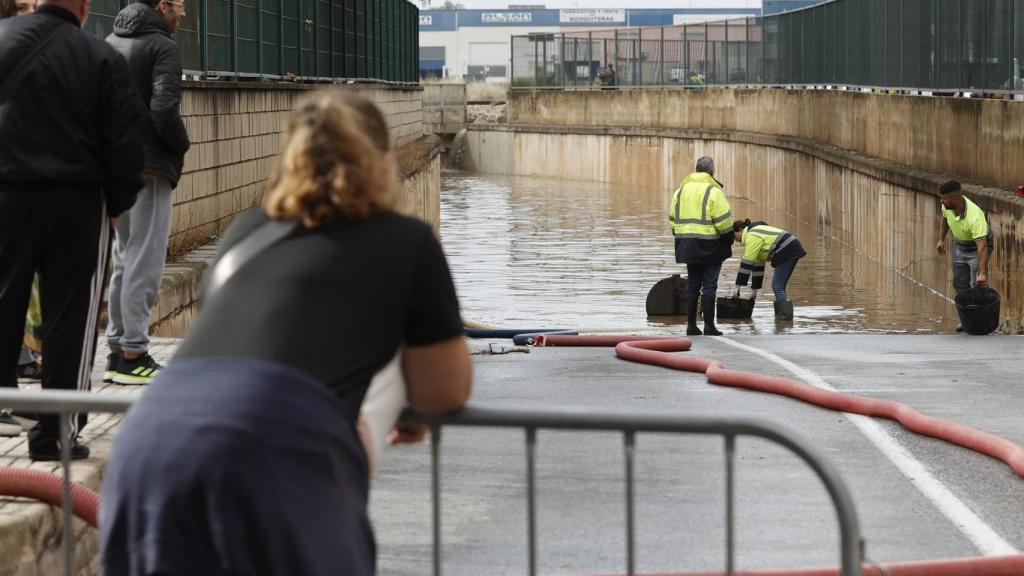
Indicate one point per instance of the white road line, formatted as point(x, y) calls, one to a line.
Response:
point(973, 527)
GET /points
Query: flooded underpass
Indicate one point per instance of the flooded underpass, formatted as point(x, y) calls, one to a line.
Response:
point(543, 252)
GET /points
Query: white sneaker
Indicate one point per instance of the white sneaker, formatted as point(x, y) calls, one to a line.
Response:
point(8, 425)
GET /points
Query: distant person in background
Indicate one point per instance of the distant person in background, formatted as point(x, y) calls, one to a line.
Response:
point(607, 77)
point(763, 243)
point(972, 238)
point(243, 456)
point(144, 35)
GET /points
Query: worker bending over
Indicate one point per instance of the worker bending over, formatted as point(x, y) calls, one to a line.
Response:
point(763, 243)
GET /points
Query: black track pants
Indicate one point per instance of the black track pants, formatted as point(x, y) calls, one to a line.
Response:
point(64, 235)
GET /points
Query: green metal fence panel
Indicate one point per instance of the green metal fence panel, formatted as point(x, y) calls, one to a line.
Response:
point(291, 35)
point(187, 37)
point(312, 40)
point(1017, 40)
point(338, 38)
point(307, 24)
point(247, 39)
point(271, 31)
point(218, 35)
point(101, 17)
point(946, 45)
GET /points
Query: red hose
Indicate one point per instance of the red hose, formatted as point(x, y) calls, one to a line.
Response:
point(49, 488)
point(655, 350)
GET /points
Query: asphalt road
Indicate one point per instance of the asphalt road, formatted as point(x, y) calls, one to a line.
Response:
point(957, 503)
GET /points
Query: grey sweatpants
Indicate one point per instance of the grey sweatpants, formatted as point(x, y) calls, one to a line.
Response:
point(140, 250)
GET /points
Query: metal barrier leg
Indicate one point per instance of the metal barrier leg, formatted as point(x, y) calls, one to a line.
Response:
point(531, 498)
point(629, 441)
point(65, 461)
point(730, 512)
point(435, 485)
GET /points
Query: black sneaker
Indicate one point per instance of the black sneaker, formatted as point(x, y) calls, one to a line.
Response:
point(139, 370)
point(111, 369)
point(49, 450)
point(30, 371)
point(8, 425)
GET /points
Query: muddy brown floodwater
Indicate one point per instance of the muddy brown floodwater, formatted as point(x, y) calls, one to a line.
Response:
point(531, 252)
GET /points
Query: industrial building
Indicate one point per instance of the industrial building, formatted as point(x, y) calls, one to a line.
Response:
point(476, 44)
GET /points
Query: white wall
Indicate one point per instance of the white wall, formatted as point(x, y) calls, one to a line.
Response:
point(457, 49)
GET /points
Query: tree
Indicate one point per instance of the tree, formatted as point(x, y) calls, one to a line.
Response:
point(448, 5)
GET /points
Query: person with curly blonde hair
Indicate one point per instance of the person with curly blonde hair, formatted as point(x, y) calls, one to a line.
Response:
point(242, 457)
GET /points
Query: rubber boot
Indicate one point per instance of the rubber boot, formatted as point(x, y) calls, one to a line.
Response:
point(691, 318)
point(784, 310)
point(708, 302)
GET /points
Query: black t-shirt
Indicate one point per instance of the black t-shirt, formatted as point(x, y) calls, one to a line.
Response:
point(335, 302)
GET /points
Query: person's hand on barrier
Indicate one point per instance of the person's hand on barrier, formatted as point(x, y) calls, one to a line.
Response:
point(982, 279)
point(941, 247)
point(406, 434)
point(754, 293)
point(735, 292)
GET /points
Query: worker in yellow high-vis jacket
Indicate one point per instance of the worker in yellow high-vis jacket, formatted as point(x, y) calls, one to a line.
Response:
point(761, 244)
point(702, 225)
point(972, 235)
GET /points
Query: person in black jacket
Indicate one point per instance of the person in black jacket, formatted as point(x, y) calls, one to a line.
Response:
point(71, 139)
point(143, 34)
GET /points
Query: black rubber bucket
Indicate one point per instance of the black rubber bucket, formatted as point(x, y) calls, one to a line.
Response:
point(979, 310)
point(735, 308)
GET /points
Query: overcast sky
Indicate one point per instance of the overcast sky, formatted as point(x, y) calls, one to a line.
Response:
point(575, 3)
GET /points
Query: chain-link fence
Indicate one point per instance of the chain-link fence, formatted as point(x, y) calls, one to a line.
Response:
point(312, 40)
point(930, 45)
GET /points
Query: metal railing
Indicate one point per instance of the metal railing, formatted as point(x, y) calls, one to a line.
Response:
point(935, 46)
point(64, 404)
point(304, 40)
point(628, 423)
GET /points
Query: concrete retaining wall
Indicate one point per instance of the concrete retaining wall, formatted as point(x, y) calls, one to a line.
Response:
point(444, 107)
point(874, 206)
point(236, 134)
point(974, 140)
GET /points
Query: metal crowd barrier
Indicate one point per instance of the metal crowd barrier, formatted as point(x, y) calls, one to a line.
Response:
point(530, 420)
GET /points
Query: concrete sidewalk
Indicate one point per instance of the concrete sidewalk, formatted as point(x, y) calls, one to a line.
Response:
point(30, 532)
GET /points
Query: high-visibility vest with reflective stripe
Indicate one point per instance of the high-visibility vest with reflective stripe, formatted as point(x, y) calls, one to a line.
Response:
point(760, 243)
point(699, 209)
